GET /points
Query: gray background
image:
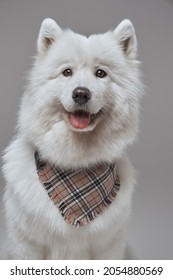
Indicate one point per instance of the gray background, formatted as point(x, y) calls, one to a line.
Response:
point(151, 226)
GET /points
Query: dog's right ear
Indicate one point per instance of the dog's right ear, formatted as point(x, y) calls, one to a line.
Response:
point(48, 34)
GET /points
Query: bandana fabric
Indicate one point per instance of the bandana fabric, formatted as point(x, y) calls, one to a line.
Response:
point(82, 194)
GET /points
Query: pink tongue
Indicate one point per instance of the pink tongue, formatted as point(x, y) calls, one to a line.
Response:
point(79, 119)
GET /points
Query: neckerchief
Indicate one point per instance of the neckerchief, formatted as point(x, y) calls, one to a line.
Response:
point(82, 194)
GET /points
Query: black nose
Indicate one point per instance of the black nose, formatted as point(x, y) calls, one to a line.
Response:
point(81, 95)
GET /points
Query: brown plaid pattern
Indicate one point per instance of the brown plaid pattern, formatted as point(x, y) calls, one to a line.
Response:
point(81, 194)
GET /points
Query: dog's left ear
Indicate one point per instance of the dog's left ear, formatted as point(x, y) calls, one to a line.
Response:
point(126, 38)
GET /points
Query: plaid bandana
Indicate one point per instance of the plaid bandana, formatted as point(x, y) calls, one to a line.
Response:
point(82, 194)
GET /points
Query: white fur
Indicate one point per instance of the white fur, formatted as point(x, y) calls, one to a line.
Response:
point(36, 230)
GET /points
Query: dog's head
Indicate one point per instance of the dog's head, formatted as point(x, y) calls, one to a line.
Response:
point(83, 93)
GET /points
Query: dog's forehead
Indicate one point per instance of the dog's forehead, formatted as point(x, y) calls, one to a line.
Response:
point(73, 46)
point(95, 43)
point(103, 47)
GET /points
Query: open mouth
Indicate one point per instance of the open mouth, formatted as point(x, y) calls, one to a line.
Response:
point(81, 119)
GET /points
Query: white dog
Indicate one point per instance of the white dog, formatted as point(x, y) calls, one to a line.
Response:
point(69, 184)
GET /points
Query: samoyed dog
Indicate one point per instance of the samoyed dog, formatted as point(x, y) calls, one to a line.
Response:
point(69, 182)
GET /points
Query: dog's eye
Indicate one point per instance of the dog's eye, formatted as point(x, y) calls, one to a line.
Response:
point(100, 73)
point(67, 72)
